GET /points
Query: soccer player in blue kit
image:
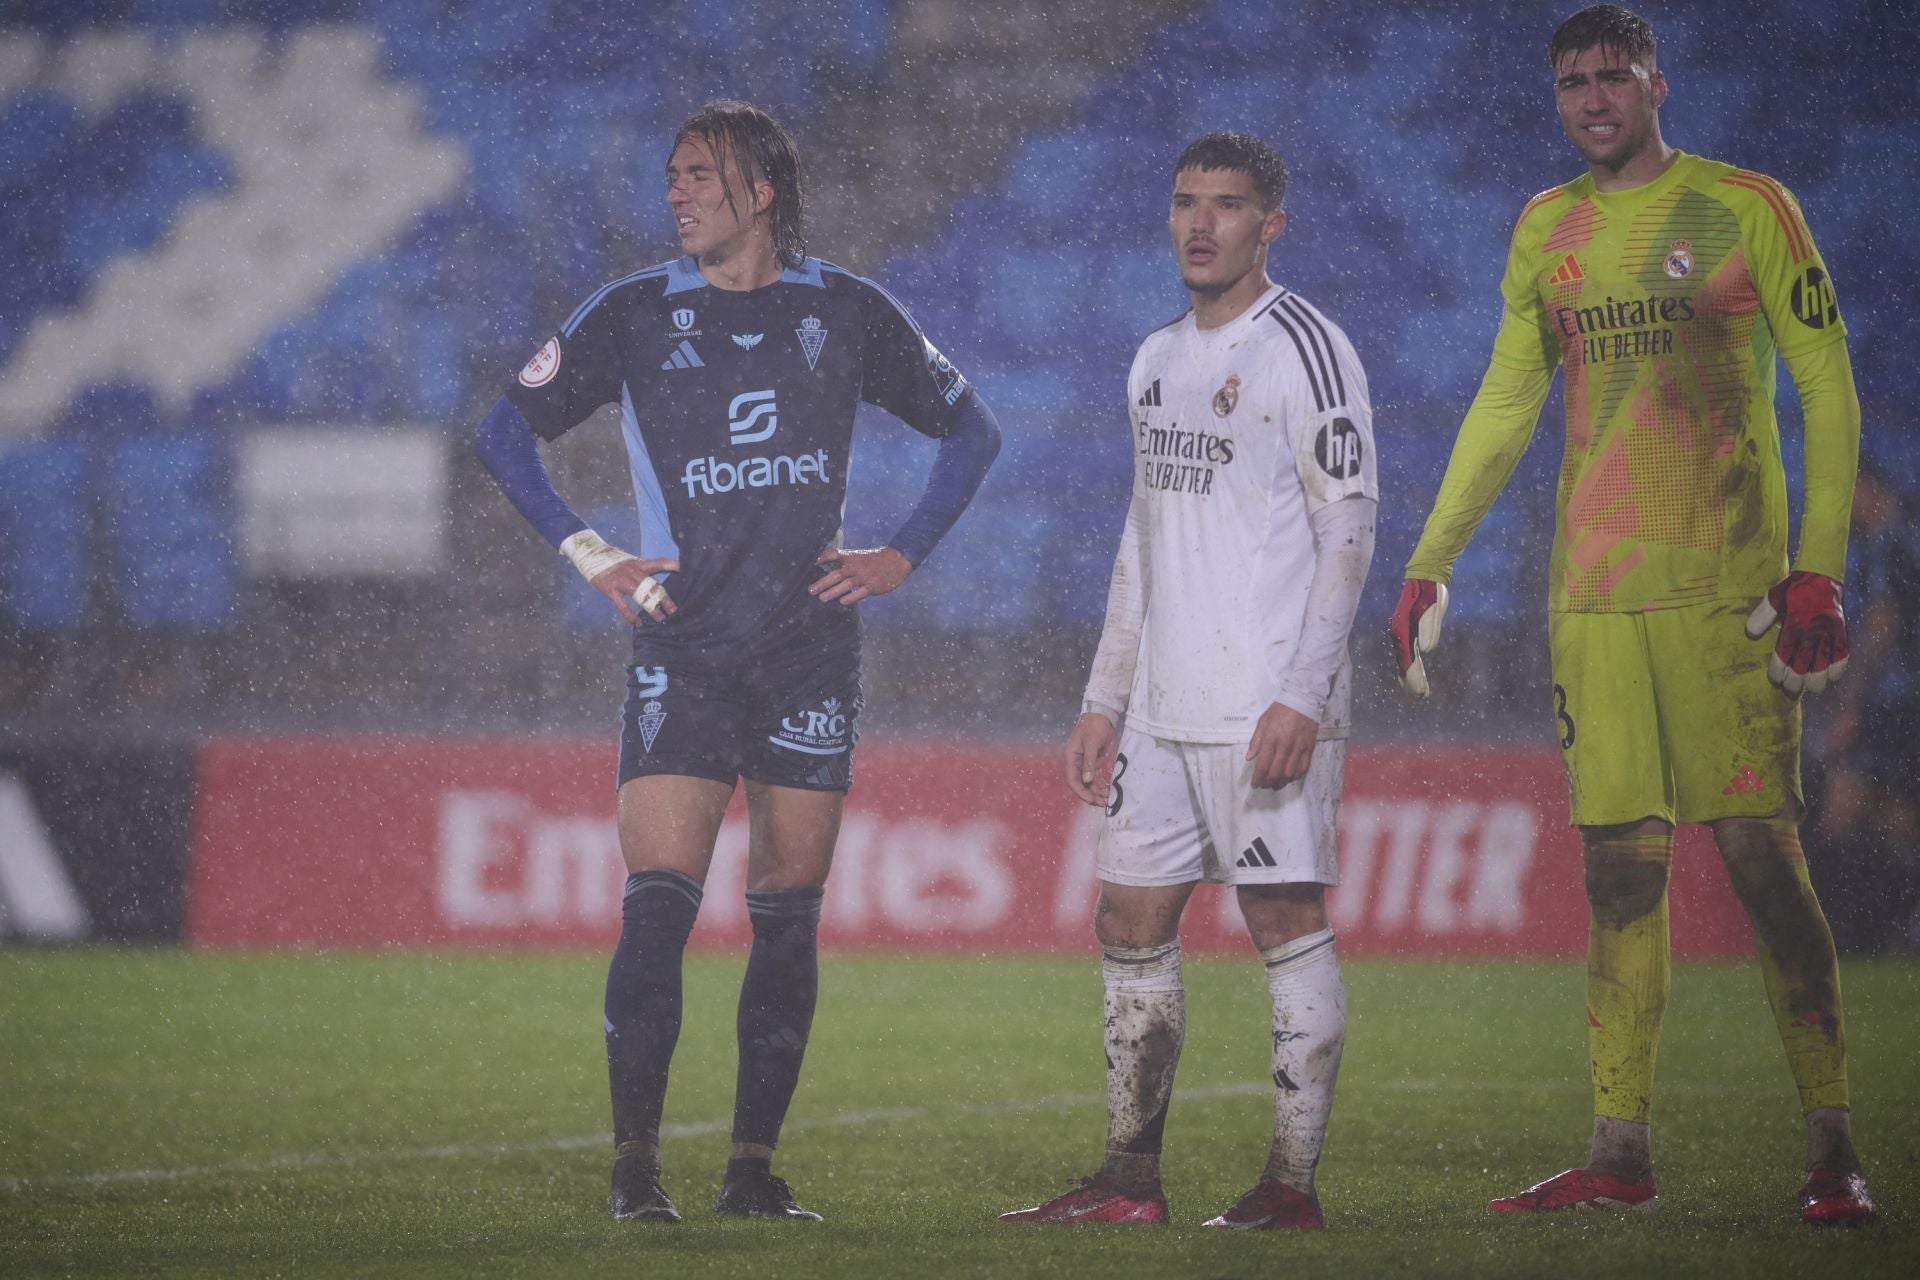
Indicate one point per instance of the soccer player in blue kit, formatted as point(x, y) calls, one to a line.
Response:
point(737, 368)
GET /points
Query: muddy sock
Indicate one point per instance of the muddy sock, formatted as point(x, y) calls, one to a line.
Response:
point(1309, 1033)
point(1146, 1023)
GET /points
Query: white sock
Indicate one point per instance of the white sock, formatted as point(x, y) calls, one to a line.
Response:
point(1309, 1031)
point(1146, 1023)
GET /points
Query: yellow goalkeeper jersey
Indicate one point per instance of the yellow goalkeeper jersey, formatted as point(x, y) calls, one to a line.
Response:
point(1666, 305)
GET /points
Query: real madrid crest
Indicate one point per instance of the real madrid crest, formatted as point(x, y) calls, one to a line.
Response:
point(1227, 396)
point(1679, 264)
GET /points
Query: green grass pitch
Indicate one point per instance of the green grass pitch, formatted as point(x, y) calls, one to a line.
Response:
point(175, 1114)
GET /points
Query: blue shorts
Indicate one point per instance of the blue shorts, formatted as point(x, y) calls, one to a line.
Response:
point(786, 719)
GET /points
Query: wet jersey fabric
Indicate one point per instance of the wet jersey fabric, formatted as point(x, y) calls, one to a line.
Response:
point(1666, 306)
point(1240, 435)
point(737, 412)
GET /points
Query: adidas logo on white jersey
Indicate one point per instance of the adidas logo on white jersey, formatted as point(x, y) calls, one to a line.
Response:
point(1150, 399)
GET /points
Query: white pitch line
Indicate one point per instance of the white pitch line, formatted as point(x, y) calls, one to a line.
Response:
point(708, 1128)
point(697, 1129)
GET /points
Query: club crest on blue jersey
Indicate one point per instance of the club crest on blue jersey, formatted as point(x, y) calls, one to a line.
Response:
point(812, 339)
point(816, 733)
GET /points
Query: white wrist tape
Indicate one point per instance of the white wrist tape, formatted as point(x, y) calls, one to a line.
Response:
point(591, 554)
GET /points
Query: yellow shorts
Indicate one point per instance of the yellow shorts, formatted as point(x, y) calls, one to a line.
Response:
point(1670, 715)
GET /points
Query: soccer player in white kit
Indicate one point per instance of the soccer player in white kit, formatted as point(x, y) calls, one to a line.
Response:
point(1224, 653)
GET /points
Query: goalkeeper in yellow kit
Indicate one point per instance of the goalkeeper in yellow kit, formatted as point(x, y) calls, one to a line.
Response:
point(1664, 284)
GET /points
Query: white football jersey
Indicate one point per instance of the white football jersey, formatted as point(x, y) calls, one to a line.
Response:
point(1240, 434)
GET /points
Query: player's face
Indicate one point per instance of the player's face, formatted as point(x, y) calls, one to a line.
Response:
point(1220, 232)
point(1607, 105)
point(712, 229)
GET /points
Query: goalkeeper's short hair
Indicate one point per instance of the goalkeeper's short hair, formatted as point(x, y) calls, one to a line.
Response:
point(1612, 28)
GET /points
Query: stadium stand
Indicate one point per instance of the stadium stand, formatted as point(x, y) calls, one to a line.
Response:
point(227, 215)
point(173, 545)
point(46, 513)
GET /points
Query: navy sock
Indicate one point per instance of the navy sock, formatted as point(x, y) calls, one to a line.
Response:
point(643, 1003)
point(776, 1009)
point(741, 1166)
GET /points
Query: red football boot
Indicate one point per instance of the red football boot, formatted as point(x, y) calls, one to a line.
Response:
point(1834, 1199)
point(1095, 1200)
point(1579, 1189)
point(1272, 1205)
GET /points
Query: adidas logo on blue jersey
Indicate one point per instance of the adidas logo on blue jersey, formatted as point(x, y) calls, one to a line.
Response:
point(683, 357)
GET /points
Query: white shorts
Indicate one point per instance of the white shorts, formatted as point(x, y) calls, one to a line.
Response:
point(1186, 811)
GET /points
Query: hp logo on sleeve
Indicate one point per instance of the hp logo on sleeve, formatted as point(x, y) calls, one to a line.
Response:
point(1812, 300)
point(1337, 449)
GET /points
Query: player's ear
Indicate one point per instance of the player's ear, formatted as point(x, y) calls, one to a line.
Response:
point(762, 196)
point(1658, 83)
point(1275, 223)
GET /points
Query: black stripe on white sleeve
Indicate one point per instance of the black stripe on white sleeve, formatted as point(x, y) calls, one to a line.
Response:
point(1309, 317)
point(1318, 356)
point(1306, 361)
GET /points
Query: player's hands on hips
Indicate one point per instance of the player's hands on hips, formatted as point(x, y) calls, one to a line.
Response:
point(630, 585)
point(1090, 750)
point(859, 574)
point(1812, 650)
point(1282, 746)
point(1416, 630)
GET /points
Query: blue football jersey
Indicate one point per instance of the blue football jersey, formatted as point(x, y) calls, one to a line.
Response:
point(737, 409)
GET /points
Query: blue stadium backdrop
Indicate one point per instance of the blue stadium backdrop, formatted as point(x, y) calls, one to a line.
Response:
point(266, 261)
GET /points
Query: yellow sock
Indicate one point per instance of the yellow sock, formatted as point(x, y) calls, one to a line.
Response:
point(1627, 969)
point(1803, 983)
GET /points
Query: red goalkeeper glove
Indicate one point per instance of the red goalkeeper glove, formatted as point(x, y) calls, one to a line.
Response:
point(1812, 650)
point(1416, 630)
